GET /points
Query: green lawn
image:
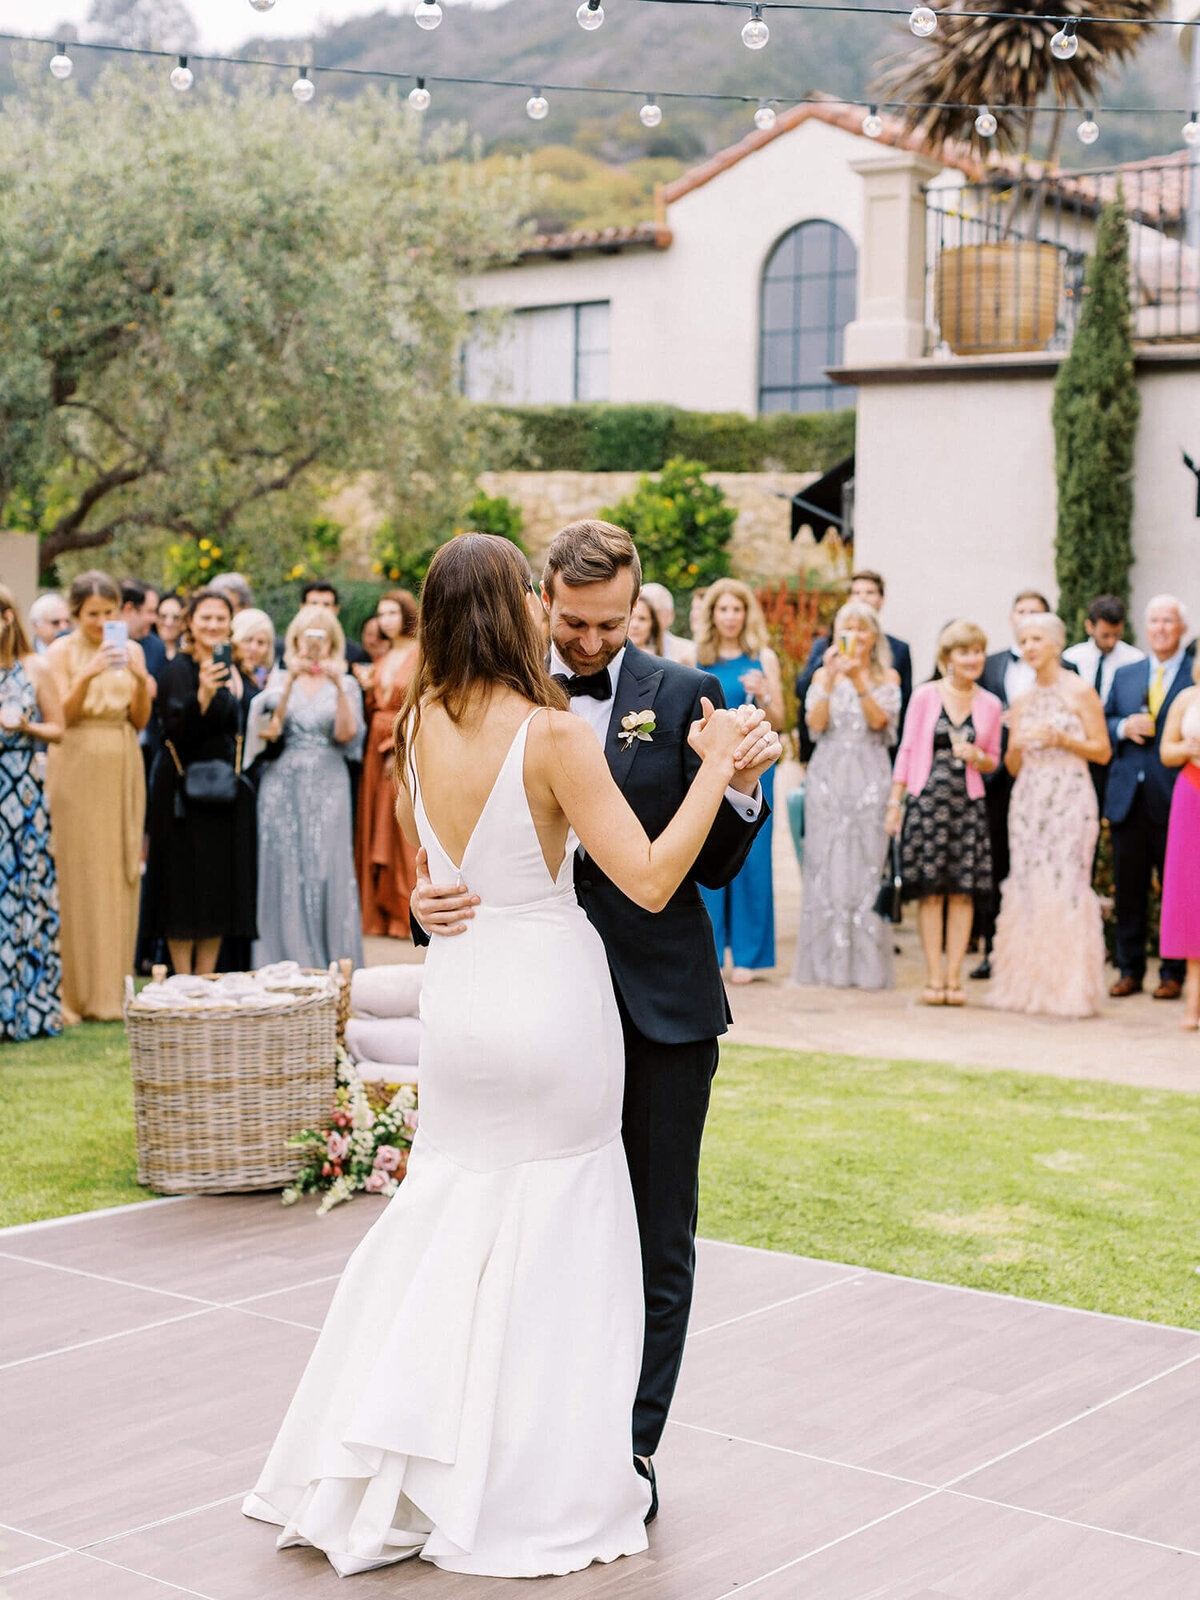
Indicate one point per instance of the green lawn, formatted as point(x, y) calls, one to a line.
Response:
point(1079, 1193)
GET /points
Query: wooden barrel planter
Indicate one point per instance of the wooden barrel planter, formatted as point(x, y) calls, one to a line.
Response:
point(995, 297)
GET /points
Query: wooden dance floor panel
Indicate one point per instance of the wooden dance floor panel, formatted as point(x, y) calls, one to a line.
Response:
point(838, 1434)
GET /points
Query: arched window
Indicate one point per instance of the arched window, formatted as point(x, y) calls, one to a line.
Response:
point(807, 300)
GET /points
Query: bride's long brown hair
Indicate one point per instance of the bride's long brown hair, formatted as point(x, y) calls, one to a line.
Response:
point(475, 632)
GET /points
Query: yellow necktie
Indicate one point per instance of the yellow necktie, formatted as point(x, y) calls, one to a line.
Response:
point(1157, 693)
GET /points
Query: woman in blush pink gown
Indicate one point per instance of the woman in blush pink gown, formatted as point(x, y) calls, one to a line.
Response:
point(1181, 873)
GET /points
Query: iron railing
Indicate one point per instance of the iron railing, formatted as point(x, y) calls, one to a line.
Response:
point(1007, 257)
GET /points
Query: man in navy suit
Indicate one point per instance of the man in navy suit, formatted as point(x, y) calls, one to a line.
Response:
point(868, 587)
point(1137, 802)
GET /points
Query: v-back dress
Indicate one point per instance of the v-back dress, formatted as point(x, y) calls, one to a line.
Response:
point(471, 1393)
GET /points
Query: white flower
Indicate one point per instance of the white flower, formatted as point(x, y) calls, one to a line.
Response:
point(638, 725)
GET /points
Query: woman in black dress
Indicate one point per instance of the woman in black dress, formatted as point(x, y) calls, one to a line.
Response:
point(201, 881)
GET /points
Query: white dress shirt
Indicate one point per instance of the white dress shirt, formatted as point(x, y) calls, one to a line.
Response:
point(1085, 657)
point(1019, 676)
point(598, 714)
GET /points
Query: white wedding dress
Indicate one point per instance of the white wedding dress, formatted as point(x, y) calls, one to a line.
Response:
point(470, 1396)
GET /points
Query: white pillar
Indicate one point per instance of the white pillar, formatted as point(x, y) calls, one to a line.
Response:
point(890, 325)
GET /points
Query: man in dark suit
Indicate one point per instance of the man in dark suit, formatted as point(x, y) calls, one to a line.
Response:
point(1137, 802)
point(664, 967)
point(868, 587)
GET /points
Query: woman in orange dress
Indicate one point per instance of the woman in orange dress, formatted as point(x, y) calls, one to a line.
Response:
point(387, 866)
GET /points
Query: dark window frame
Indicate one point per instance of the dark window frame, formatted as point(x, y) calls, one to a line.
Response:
point(804, 392)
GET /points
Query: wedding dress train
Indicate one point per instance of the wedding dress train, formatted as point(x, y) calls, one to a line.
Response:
point(470, 1395)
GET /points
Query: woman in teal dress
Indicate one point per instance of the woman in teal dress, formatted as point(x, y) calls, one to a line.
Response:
point(30, 717)
point(732, 645)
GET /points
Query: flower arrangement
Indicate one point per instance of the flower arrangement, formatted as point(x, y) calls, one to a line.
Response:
point(365, 1145)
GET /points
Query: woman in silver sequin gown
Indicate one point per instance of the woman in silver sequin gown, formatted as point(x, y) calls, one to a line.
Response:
point(843, 941)
point(307, 892)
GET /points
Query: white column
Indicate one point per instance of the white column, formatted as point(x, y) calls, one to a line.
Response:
point(890, 325)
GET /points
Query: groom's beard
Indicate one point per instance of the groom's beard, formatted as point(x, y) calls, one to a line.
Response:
point(587, 666)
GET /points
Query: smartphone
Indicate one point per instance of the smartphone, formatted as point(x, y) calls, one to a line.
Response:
point(116, 637)
point(314, 638)
point(845, 643)
point(223, 656)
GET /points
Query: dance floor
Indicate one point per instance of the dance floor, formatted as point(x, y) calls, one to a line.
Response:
point(838, 1434)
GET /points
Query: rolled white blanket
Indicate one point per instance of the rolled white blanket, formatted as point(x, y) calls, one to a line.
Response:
point(385, 1072)
point(392, 1041)
point(392, 991)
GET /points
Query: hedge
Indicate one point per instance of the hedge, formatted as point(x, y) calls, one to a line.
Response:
point(603, 438)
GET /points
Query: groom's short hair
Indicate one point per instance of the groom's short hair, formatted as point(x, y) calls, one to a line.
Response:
point(591, 552)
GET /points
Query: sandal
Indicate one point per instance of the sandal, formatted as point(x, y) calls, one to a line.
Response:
point(955, 997)
point(931, 995)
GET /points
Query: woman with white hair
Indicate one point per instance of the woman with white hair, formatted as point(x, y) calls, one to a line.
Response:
point(307, 892)
point(254, 645)
point(1048, 954)
point(852, 710)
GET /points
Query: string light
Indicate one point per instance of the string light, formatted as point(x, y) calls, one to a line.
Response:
point(262, 5)
point(61, 65)
point(922, 21)
point(1191, 130)
point(590, 15)
point(1088, 132)
point(756, 33)
point(537, 107)
point(1064, 43)
point(304, 88)
point(182, 77)
point(872, 123)
point(428, 14)
point(985, 123)
point(651, 113)
point(764, 117)
point(419, 98)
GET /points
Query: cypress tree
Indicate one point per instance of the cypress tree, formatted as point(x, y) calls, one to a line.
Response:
point(1096, 409)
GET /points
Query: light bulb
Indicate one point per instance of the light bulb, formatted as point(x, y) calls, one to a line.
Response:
point(985, 123)
point(590, 16)
point(537, 106)
point(304, 88)
point(764, 117)
point(428, 14)
point(1064, 43)
point(1087, 132)
point(262, 5)
point(1191, 130)
point(650, 114)
point(923, 21)
point(182, 77)
point(756, 33)
point(872, 124)
point(420, 97)
point(61, 65)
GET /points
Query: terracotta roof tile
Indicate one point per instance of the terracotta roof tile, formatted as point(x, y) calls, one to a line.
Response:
point(646, 235)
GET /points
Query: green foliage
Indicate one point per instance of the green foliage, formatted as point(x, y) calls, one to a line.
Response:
point(495, 513)
point(618, 438)
point(682, 526)
point(573, 189)
point(202, 316)
point(1096, 410)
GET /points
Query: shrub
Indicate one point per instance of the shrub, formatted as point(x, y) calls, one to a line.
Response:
point(494, 513)
point(682, 526)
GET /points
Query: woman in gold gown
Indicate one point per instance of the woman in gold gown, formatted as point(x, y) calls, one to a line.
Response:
point(97, 791)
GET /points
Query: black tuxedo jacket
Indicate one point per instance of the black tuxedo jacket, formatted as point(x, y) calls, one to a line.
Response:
point(664, 965)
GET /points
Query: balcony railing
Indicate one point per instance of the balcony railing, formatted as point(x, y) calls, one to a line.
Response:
point(1007, 257)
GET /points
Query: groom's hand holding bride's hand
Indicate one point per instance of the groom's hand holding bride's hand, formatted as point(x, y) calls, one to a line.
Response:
point(444, 909)
point(759, 749)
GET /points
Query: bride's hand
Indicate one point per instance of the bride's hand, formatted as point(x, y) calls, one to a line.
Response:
point(718, 735)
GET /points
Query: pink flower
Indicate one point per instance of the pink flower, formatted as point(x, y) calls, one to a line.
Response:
point(375, 1182)
point(327, 1171)
point(338, 1145)
point(387, 1158)
point(410, 1121)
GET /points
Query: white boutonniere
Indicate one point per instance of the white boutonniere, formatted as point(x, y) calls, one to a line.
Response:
point(637, 725)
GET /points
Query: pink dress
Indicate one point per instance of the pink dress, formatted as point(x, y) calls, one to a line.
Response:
point(1048, 955)
point(1180, 939)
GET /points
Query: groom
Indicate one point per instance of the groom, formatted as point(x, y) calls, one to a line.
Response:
point(664, 966)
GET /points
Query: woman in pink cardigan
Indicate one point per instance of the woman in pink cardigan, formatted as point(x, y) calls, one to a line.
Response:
point(951, 738)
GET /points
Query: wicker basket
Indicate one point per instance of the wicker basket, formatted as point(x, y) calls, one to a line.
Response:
point(998, 297)
point(217, 1094)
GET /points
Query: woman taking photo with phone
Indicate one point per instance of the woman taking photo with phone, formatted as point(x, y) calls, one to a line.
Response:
point(200, 880)
point(307, 894)
point(97, 790)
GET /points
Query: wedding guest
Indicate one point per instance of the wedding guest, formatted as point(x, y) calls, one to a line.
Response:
point(253, 638)
point(1049, 948)
point(951, 741)
point(31, 716)
point(852, 711)
point(1180, 747)
point(200, 886)
point(307, 898)
point(170, 623)
point(645, 630)
point(320, 592)
point(732, 645)
point(867, 587)
point(696, 612)
point(49, 619)
point(97, 790)
point(139, 610)
point(1097, 658)
point(387, 864)
point(235, 586)
point(1137, 802)
point(374, 642)
point(662, 603)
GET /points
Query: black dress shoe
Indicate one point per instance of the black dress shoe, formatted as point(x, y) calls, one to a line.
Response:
point(645, 1469)
point(984, 969)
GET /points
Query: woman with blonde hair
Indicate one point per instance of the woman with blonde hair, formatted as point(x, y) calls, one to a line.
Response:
point(253, 640)
point(96, 783)
point(852, 710)
point(31, 715)
point(732, 645)
point(307, 896)
point(951, 738)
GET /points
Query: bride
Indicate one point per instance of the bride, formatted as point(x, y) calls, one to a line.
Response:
point(470, 1395)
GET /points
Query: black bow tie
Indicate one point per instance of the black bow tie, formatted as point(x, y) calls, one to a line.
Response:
point(598, 685)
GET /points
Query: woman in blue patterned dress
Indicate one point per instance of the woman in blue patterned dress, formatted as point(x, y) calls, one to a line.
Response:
point(732, 645)
point(30, 715)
